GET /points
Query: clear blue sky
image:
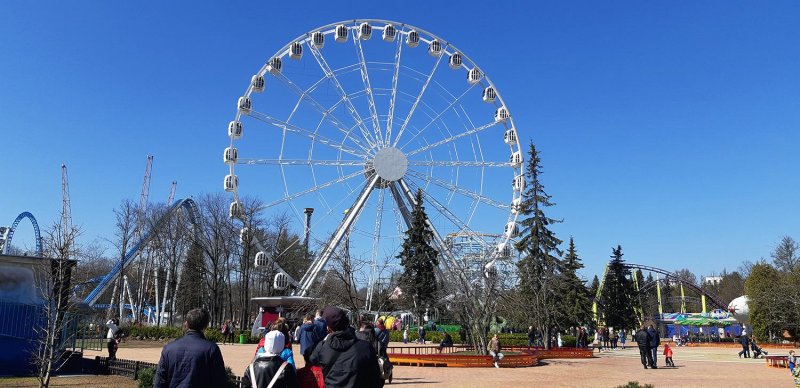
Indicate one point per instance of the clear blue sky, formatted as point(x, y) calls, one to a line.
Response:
point(670, 128)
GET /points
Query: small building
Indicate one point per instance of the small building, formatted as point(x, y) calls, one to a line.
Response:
point(23, 294)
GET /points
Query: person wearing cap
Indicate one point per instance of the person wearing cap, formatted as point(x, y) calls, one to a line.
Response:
point(346, 361)
point(191, 361)
point(269, 369)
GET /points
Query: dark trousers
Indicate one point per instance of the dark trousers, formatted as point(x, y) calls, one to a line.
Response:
point(745, 351)
point(669, 361)
point(646, 355)
point(112, 349)
point(654, 350)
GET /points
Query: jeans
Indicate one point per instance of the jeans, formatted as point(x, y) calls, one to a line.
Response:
point(646, 355)
point(655, 355)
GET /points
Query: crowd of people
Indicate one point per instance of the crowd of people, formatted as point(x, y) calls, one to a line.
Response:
point(335, 355)
point(338, 354)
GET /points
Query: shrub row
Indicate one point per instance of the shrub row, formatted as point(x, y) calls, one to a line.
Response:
point(164, 333)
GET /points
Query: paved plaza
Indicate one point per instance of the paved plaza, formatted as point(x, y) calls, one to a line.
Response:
point(695, 367)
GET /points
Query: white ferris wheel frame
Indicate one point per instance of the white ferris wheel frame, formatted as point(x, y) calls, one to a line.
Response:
point(375, 140)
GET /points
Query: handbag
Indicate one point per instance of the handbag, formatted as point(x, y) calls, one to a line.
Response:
point(310, 377)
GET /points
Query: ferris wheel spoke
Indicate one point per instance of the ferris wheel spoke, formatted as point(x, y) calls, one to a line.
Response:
point(302, 131)
point(453, 138)
point(463, 227)
point(442, 112)
point(419, 97)
point(327, 113)
point(395, 76)
point(375, 242)
point(376, 126)
point(458, 163)
point(447, 185)
point(315, 188)
point(331, 75)
point(302, 162)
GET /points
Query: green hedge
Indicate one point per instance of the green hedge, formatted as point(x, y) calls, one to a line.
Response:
point(164, 333)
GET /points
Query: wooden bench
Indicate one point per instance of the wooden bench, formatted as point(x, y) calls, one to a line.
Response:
point(777, 361)
point(463, 361)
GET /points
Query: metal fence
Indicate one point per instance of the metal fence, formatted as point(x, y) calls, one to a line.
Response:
point(19, 320)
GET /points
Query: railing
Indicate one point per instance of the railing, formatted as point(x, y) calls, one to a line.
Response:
point(131, 368)
point(419, 350)
point(19, 320)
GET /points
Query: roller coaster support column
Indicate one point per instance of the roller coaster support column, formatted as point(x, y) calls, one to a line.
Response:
point(639, 311)
point(703, 299)
point(597, 295)
point(683, 301)
point(658, 290)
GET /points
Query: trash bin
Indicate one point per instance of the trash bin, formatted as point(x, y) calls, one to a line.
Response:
point(242, 339)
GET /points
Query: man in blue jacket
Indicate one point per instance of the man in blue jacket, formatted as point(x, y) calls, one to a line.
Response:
point(191, 361)
point(653, 339)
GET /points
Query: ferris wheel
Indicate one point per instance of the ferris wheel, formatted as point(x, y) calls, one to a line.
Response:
point(352, 119)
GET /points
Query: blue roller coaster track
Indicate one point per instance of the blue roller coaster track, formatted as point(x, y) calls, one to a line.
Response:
point(188, 204)
point(28, 215)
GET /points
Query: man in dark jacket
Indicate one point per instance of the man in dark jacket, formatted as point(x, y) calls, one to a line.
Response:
point(269, 363)
point(308, 337)
point(346, 361)
point(643, 341)
point(191, 361)
point(654, 340)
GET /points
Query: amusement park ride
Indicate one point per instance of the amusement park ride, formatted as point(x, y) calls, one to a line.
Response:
point(712, 306)
point(353, 118)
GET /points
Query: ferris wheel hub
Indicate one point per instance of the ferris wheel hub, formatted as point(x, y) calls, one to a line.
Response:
point(390, 164)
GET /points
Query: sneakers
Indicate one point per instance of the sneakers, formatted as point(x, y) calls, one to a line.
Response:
point(495, 365)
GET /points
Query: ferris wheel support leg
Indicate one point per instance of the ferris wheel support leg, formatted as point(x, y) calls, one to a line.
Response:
point(401, 204)
point(341, 232)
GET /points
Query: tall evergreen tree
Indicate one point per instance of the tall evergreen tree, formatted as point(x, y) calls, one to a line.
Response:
point(577, 301)
point(540, 266)
point(618, 294)
point(419, 260)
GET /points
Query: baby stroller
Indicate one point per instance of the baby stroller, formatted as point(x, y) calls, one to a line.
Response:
point(386, 368)
point(757, 351)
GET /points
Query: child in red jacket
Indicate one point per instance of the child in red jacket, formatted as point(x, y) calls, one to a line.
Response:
point(668, 355)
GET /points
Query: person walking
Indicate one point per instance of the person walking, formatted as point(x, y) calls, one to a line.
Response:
point(622, 338)
point(421, 332)
point(614, 338)
point(269, 369)
point(655, 340)
point(227, 334)
point(642, 338)
point(531, 336)
point(668, 356)
point(191, 361)
point(745, 340)
point(494, 350)
point(111, 338)
point(405, 336)
point(347, 362)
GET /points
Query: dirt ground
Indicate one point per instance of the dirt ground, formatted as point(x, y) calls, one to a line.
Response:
point(695, 367)
point(82, 381)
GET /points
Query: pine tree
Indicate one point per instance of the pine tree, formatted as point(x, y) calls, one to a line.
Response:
point(419, 260)
point(540, 266)
point(618, 294)
point(577, 302)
